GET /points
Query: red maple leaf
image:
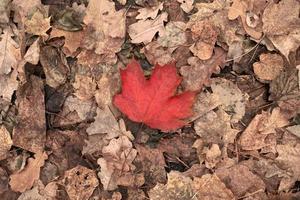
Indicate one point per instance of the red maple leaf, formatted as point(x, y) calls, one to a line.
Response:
point(153, 101)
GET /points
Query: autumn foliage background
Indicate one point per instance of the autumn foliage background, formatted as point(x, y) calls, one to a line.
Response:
point(149, 99)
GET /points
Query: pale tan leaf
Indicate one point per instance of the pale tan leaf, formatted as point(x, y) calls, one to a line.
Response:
point(5, 142)
point(38, 24)
point(151, 12)
point(33, 53)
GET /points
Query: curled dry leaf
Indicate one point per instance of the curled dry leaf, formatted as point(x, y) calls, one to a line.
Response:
point(254, 136)
point(205, 35)
point(269, 66)
point(198, 72)
point(152, 101)
point(23, 180)
point(144, 30)
point(80, 182)
point(281, 25)
point(5, 142)
point(151, 12)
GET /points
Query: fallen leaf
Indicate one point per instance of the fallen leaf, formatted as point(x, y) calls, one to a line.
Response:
point(116, 163)
point(269, 66)
point(10, 53)
point(294, 130)
point(254, 136)
point(286, 92)
point(5, 142)
point(174, 35)
point(211, 187)
point(80, 182)
point(144, 30)
point(281, 28)
point(240, 8)
point(289, 159)
point(240, 180)
point(30, 133)
point(38, 24)
point(205, 36)
point(152, 101)
point(212, 156)
point(233, 100)
point(40, 192)
point(178, 187)
point(186, 5)
point(72, 39)
point(23, 180)
point(85, 87)
point(100, 36)
point(198, 72)
point(4, 181)
point(33, 53)
point(157, 54)
point(8, 84)
point(5, 11)
point(150, 12)
point(24, 9)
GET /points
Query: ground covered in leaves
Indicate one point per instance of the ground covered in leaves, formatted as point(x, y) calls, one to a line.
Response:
point(64, 136)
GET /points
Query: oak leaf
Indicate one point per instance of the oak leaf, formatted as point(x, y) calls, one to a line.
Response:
point(153, 101)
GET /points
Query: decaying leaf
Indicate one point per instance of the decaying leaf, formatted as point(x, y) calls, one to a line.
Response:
point(30, 133)
point(285, 92)
point(100, 35)
point(157, 54)
point(178, 187)
point(24, 179)
point(152, 101)
point(144, 30)
point(4, 10)
point(85, 87)
point(198, 72)
point(150, 12)
point(37, 24)
point(211, 187)
point(269, 66)
point(40, 192)
point(5, 142)
point(232, 98)
point(281, 25)
point(254, 136)
point(80, 182)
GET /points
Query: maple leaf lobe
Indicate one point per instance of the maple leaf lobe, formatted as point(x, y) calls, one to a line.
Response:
point(153, 101)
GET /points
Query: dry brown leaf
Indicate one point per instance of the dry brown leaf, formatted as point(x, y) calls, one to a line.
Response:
point(240, 180)
point(186, 5)
point(156, 54)
point(5, 142)
point(40, 192)
point(5, 11)
point(23, 180)
point(116, 165)
point(30, 132)
point(254, 136)
point(144, 30)
point(8, 84)
point(210, 187)
point(174, 35)
point(9, 54)
point(100, 36)
point(269, 66)
point(178, 187)
point(233, 100)
point(285, 92)
point(281, 25)
point(85, 87)
point(55, 66)
point(38, 24)
point(212, 156)
point(294, 130)
point(150, 12)
point(240, 8)
point(289, 159)
point(198, 72)
point(205, 36)
point(80, 182)
point(72, 39)
point(33, 53)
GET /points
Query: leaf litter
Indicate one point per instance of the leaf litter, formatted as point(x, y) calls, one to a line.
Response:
point(140, 99)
